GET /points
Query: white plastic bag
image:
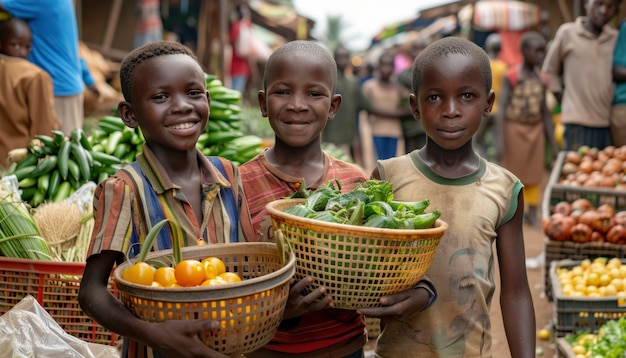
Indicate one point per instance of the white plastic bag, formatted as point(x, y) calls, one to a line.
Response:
point(27, 330)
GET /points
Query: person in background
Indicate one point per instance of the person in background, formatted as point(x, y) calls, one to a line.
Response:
point(342, 130)
point(481, 202)
point(384, 93)
point(148, 23)
point(485, 139)
point(55, 49)
point(524, 122)
point(618, 110)
point(165, 95)
point(299, 98)
point(240, 27)
point(412, 131)
point(26, 103)
point(579, 66)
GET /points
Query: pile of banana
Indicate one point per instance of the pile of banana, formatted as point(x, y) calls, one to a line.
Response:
point(53, 167)
point(223, 136)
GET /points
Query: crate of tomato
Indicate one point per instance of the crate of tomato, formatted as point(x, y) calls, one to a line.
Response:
point(579, 230)
point(589, 173)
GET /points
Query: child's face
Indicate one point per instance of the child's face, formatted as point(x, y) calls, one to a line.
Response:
point(386, 67)
point(298, 99)
point(16, 41)
point(600, 12)
point(169, 102)
point(534, 52)
point(452, 100)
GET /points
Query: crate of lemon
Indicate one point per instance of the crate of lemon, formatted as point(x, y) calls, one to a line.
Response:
point(587, 293)
point(244, 286)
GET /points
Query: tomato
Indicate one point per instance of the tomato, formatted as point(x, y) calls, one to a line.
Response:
point(219, 265)
point(230, 277)
point(189, 273)
point(165, 276)
point(140, 273)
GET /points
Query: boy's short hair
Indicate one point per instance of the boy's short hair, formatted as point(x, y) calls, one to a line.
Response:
point(301, 47)
point(144, 53)
point(449, 46)
point(530, 36)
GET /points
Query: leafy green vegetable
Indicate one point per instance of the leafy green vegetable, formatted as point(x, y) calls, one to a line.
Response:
point(370, 204)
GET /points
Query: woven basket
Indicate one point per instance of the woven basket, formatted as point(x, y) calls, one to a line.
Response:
point(249, 311)
point(357, 264)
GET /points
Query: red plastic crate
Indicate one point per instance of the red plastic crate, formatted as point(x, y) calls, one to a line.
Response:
point(55, 287)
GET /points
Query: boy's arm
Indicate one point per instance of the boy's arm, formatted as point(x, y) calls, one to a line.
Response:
point(552, 66)
point(173, 338)
point(401, 306)
point(515, 299)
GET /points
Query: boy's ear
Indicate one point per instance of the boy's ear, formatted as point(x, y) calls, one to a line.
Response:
point(489, 105)
point(415, 110)
point(262, 103)
point(125, 110)
point(335, 103)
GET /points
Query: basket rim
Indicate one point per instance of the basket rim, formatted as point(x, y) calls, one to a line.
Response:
point(272, 207)
point(189, 294)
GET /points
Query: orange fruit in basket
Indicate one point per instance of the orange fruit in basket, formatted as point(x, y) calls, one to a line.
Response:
point(165, 276)
point(140, 273)
point(230, 277)
point(189, 273)
point(217, 264)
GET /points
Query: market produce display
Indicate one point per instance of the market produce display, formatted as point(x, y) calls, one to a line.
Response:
point(608, 342)
point(600, 277)
point(20, 236)
point(595, 168)
point(53, 167)
point(581, 222)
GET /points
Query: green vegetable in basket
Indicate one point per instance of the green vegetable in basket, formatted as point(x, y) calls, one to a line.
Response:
point(369, 204)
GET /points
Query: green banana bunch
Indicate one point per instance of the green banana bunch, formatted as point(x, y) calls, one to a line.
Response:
point(223, 136)
point(55, 166)
point(112, 137)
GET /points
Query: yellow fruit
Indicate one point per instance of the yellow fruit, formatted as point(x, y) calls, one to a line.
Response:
point(165, 276)
point(543, 334)
point(220, 267)
point(230, 277)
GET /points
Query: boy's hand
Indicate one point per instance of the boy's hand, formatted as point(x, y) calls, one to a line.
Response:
point(297, 304)
point(181, 338)
point(400, 306)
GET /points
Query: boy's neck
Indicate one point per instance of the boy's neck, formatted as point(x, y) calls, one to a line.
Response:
point(450, 163)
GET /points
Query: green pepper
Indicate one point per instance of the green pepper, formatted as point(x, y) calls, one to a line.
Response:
point(380, 221)
point(426, 220)
point(418, 207)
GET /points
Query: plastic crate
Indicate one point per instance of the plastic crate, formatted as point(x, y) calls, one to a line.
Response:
point(564, 349)
point(562, 250)
point(55, 286)
point(575, 314)
point(555, 192)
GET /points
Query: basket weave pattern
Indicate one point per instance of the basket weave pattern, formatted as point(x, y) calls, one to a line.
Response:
point(249, 311)
point(357, 264)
